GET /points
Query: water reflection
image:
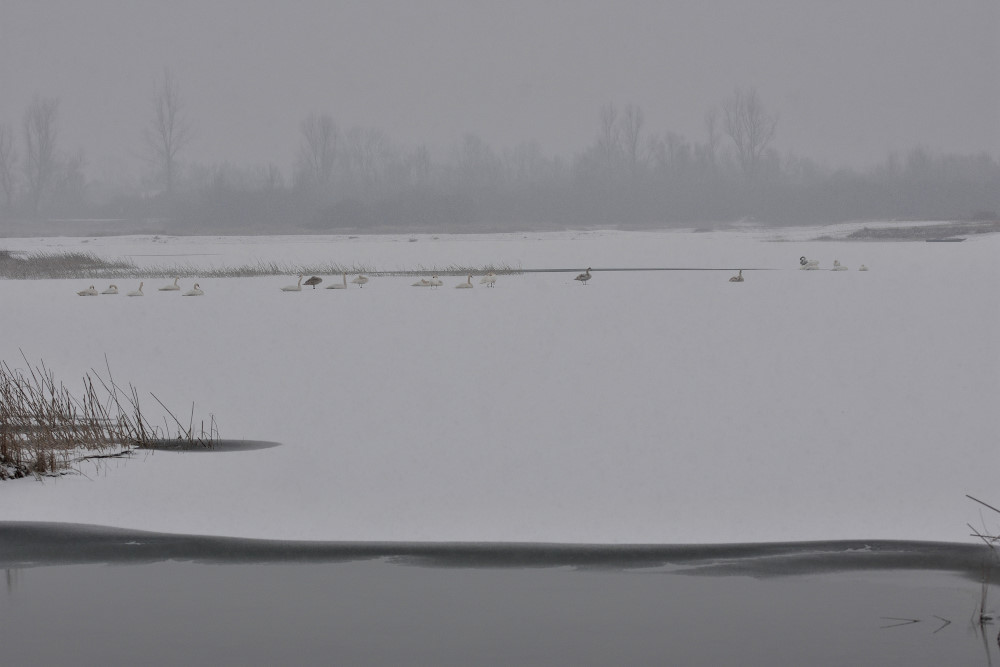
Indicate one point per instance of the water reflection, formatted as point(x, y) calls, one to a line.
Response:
point(377, 612)
point(12, 575)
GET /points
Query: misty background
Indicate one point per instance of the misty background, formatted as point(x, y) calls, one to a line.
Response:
point(247, 116)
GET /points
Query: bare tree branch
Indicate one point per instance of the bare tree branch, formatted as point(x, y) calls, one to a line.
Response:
point(8, 160)
point(631, 135)
point(40, 134)
point(609, 141)
point(317, 152)
point(168, 132)
point(750, 128)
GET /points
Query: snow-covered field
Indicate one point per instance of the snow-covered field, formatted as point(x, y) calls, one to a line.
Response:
point(669, 406)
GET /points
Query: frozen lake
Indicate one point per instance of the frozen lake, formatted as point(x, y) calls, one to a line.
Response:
point(660, 407)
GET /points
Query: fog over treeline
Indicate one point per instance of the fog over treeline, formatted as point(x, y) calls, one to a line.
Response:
point(356, 178)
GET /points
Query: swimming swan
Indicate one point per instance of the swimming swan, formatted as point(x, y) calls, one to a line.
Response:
point(112, 289)
point(137, 292)
point(465, 285)
point(808, 264)
point(195, 291)
point(862, 268)
point(313, 281)
point(489, 279)
point(293, 288)
point(584, 277)
point(423, 282)
point(90, 291)
point(837, 266)
point(360, 280)
point(338, 285)
point(737, 278)
point(171, 288)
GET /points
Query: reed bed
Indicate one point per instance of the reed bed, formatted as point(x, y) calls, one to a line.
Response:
point(45, 428)
point(33, 265)
point(84, 265)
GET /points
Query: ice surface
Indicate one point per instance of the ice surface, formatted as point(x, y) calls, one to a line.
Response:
point(666, 406)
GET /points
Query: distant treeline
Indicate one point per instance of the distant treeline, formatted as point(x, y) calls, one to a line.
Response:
point(483, 191)
point(359, 180)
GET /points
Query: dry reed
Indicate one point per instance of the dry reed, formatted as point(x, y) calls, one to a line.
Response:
point(45, 428)
point(45, 265)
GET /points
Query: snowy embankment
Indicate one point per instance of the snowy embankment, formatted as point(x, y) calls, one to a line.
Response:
point(671, 407)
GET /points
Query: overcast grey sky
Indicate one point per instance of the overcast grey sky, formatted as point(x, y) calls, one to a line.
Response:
point(850, 79)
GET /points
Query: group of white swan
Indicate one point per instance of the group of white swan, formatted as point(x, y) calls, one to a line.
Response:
point(489, 280)
point(316, 280)
point(113, 289)
point(813, 265)
point(434, 281)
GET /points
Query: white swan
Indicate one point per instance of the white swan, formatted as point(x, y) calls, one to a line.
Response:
point(112, 289)
point(313, 281)
point(837, 266)
point(862, 268)
point(194, 291)
point(339, 285)
point(90, 291)
point(423, 282)
point(435, 281)
point(584, 277)
point(465, 285)
point(293, 288)
point(737, 278)
point(171, 288)
point(808, 264)
point(489, 279)
point(360, 280)
point(137, 292)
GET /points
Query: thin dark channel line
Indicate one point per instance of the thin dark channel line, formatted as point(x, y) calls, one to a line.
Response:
point(656, 268)
point(179, 254)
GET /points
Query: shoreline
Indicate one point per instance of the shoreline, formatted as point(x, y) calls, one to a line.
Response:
point(39, 544)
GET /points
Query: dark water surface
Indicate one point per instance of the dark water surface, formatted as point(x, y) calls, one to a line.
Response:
point(94, 596)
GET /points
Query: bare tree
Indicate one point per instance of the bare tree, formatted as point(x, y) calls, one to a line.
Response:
point(366, 151)
point(273, 178)
point(8, 160)
point(712, 132)
point(609, 141)
point(168, 132)
point(630, 137)
point(40, 149)
point(525, 164)
point(476, 164)
point(69, 186)
point(750, 128)
point(317, 151)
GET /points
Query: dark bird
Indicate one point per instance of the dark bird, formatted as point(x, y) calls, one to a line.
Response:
point(315, 280)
